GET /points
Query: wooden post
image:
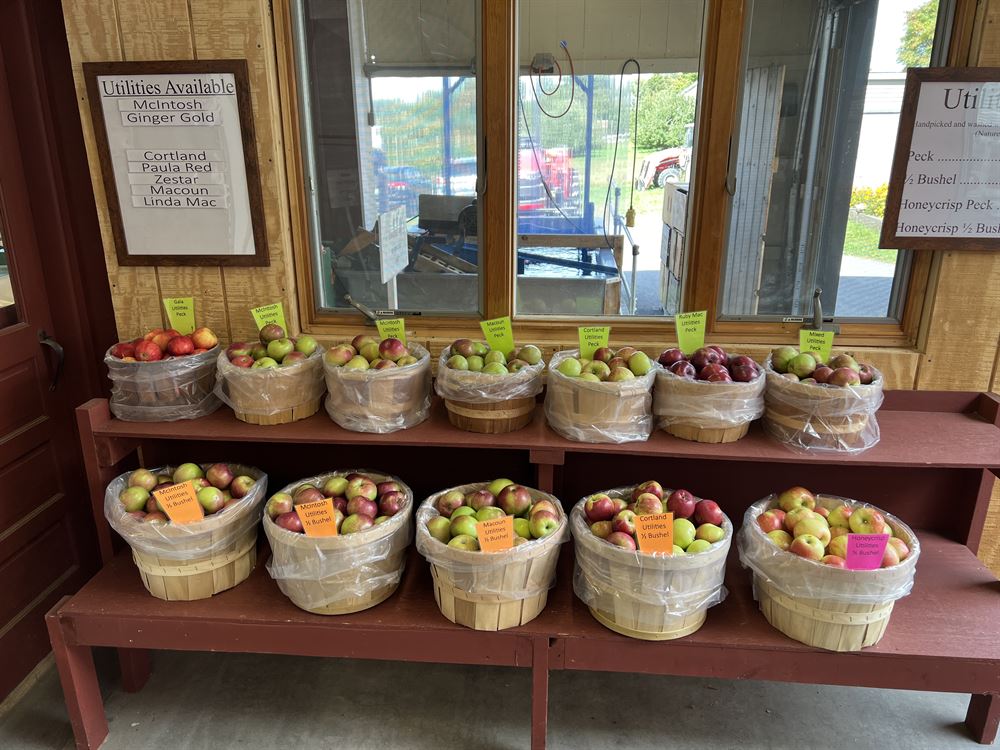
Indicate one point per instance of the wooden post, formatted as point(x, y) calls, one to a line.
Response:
point(539, 691)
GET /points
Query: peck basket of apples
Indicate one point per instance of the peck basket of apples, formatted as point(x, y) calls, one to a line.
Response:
point(606, 399)
point(213, 549)
point(816, 406)
point(508, 585)
point(353, 562)
point(377, 386)
point(709, 396)
point(653, 596)
point(489, 391)
point(273, 381)
point(808, 578)
point(163, 376)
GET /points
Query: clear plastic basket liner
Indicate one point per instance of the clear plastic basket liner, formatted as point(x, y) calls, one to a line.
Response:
point(822, 418)
point(320, 572)
point(810, 579)
point(699, 403)
point(269, 391)
point(681, 585)
point(215, 535)
point(521, 572)
point(479, 388)
point(163, 391)
point(599, 412)
point(380, 401)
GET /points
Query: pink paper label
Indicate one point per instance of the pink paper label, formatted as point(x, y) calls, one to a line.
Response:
point(865, 551)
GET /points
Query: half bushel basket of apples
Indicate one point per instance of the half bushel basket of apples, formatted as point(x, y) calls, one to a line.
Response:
point(194, 559)
point(710, 396)
point(273, 381)
point(489, 391)
point(815, 406)
point(163, 376)
point(649, 595)
point(354, 563)
point(377, 386)
point(508, 585)
point(824, 572)
point(607, 399)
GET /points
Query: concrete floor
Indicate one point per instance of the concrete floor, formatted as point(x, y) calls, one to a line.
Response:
point(252, 702)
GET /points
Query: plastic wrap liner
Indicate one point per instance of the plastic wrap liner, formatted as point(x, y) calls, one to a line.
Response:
point(272, 395)
point(163, 391)
point(479, 388)
point(343, 573)
point(381, 401)
point(808, 417)
point(654, 597)
point(704, 411)
point(599, 412)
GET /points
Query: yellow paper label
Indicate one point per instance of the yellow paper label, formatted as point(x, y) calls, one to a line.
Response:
point(655, 533)
point(267, 314)
point(393, 328)
point(318, 518)
point(180, 313)
point(499, 334)
point(690, 330)
point(180, 503)
point(816, 341)
point(592, 338)
point(496, 535)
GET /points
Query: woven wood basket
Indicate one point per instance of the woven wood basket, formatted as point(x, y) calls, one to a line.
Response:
point(491, 591)
point(339, 575)
point(818, 417)
point(652, 598)
point(380, 401)
point(163, 391)
point(276, 395)
point(818, 605)
point(197, 560)
point(706, 412)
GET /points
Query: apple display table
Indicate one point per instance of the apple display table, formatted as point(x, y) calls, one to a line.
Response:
point(934, 468)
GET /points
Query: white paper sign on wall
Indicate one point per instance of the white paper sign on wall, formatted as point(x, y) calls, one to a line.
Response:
point(394, 252)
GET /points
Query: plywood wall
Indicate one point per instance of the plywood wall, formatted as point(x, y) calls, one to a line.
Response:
point(104, 30)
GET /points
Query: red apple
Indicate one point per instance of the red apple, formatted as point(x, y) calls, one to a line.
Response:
point(390, 503)
point(271, 332)
point(621, 539)
point(149, 335)
point(619, 504)
point(241, 486)
point(844, 376)
point(242, 360)
point(670, 356)
point(392, 349)
point(278, 504)
point(388, 486)
point(514, 500)
point(355, 523)
point(308, 495)
point(238, 349)
point(603, 354)
point(770, 521)
point(902, 550)
point(219, 475)
point(866, 373)
point(148, 351)
point(340, 503)
point(204, 338)
point(708, 511)
point(741, 360)
point(480, 499)
point(744, 373)
point(653, 488)
point(624, 522)
point(833, 561)
point(681, 503)
point(358, 505)
point(449, 502)
point(890, 557)
point(822, 373)
point(156, 518)
point(123, 349)
point(683, 369)
point(162, 339)
point(704, 373)
point(723, 356)
point(598, 508)
point(705, 356)
point(290, 521)
point(648, 504)
point(180, 346)
point(719, 377)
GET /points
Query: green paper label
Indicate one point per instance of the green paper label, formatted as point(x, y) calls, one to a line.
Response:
point(592, 338)
point(499, 334)
point(180, 313)
point(393, 328)
point(267, 314)
point(690, 330)
point(816, 341)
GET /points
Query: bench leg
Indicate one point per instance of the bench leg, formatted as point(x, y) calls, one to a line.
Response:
point(135, 668)
point(983, 717)
point(539, 692)
point(79, 683)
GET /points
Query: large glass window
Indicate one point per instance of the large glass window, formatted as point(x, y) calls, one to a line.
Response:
point(607, 101)
point(822, 90)
point(388, 106)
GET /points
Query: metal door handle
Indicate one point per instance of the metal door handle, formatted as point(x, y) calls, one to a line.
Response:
point(45, 340)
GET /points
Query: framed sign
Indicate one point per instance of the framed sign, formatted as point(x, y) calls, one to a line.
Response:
point(179, 161)
point(944, 193)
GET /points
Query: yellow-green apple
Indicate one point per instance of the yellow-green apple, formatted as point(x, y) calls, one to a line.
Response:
point(601, 529)
point(280, 348)
point(781, 356)
point(530, 354)
point(902, 549)
point(514, 499)
point(796, 497)
point(357, 362)
point(143, 478)
point(624, 522)
point(466, 542)
point(639, 363)
point(710, 533)
point(648, 504)
point(625, 352)
point(522, 528)
point(890, 557)
point(815, 526)
point(241, 486)
point(439, 527)
point(369, 351)
point(489, 513)
point(678, 551)
point(598, 369)
point(543, 505)
point(589, 377)
point(708, 511)
point(770, 521)
point(305, 344)
point(134, 498)
point(795, 515)
point(681, 503)
point(409, 359)
point(867, 521)
point(599, 507)
point(449, 502)
point(280, 502)
point(219, 475)
point(834, 561)
point(463, 510)
point(836, 531)
point(494, 368)
point(464, 525)
point(361, 487)
point(335, 486)
point(187, 472)
point(200, 482)
point(840, 516)
point(496, 485)
point(495, 357)
point(238, 349)
point(621, 539)
point(457, 362)
point(698, 545)
point(807, 546)
point(355, 523)
point(843, 360)
point(211, 499)
point(684, 532)
point(543, 523)
point(781, 539)
point(570, 367)
point(264, 363)
point(650, 486)
point(838, 546)
point(802, 365)
point(480, 499)
point(619, 374)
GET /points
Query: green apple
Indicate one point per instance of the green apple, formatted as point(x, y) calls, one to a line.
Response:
point(335, 486)
point(598, 368)
point(496, 485)
point(639, 363)
point(781, 539)
point(134, 498)
point(187, 472)
point(457, 362)
point(440, 528)
point(516, 364)
point(464, 525)
point(710, 533)
point(802, 365)
point(815, 525)
point(466, 542)
point(463, 510)
point(494, 368)
point(678, 551)
point(684, 532)
point(475, 363)
point(522, 528)
point(409, 359)
point(542, 523)
point(306, 344)
point(480, 349)
point(357, 362)
point(489, 513)
point(698, 545)
point(530, 354)
point(264, 363)
point(589, 377)
point(280, 348)
point(781, 356)
point(570, 368)
point(837, 546)
point(369, 351)
point(495, 356)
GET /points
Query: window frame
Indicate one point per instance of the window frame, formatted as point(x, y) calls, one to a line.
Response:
point(722, 57)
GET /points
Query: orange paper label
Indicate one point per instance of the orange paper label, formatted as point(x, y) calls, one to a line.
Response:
point(496, 535)
point(180, 503)
point(318, 518)
point(655, 533)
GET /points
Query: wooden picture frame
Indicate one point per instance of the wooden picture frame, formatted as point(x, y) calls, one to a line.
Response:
point(901, 167)
point(238, 69)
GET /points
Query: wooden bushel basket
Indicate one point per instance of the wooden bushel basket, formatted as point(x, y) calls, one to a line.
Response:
point(652, 598)
point(819, 605)
point(198, 560)
point(380, 401)
point(598, 412)
point(491, 591)
point(339, 575)
point(491, 418)
point(820, 417)
point(706, 412)
point(275, 395)
point(163, 391)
